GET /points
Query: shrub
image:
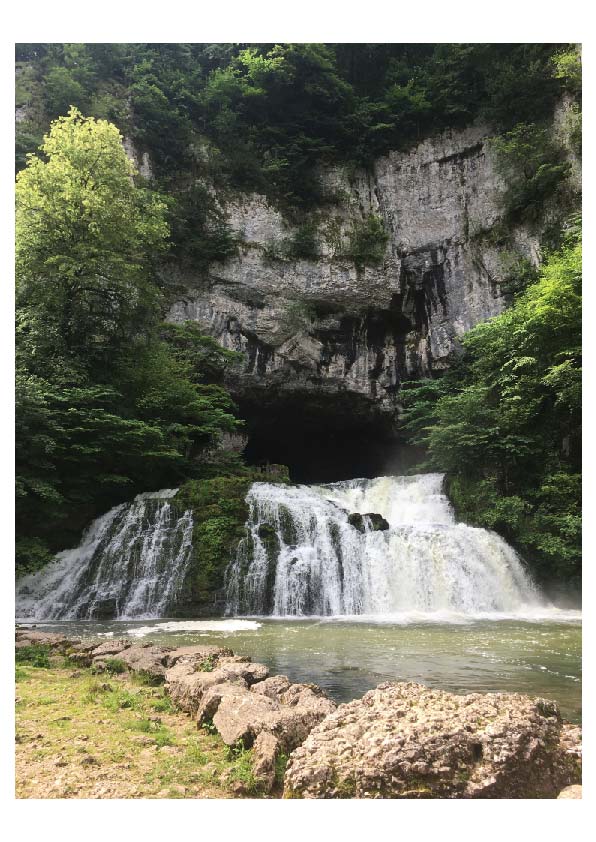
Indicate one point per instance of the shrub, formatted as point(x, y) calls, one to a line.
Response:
point(36, 655)
point(367, 242)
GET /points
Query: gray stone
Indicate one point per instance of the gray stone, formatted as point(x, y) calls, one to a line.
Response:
point(110, 647)
point(409, 741)
point(149, 660)
point(199, 653)
point(325, 325)
point(265, 751)
point(187, 684)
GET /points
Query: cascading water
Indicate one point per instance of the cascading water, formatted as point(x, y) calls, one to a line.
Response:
point(303, 557)
point(130, 563)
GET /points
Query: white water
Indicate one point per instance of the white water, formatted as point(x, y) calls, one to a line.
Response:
point(315, 563)
point(130, 563)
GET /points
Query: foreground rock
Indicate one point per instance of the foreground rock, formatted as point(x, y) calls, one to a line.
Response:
point(409, 741)
point(288, 712)
point(191, 676)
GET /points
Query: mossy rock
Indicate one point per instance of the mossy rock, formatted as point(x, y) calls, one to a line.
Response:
point(220, 513)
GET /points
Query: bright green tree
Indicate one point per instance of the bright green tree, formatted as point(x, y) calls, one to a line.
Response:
point(106, 406)
point(87, 238)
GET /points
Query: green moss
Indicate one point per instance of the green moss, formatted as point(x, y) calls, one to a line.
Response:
point(368, 240)
point(220, 513)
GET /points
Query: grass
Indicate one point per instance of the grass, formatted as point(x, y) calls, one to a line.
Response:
point(81, 735)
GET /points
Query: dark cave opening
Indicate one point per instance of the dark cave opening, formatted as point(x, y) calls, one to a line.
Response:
point(323, 437)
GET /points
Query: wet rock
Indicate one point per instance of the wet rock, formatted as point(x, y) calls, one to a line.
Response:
point(574, 791)
point(376, 522)
point(409, 741)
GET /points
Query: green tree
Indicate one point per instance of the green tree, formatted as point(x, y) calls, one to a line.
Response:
point(106, 405)
point(87, 238)
point(506, 423)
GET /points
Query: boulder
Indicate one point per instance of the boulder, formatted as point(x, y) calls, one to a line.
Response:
point(29, 637)
point(240, 717)
point(274, 706)
point(376, 522)
point(110, 648)
point(410, 741)
point(212, 697)
point(199, 653)
point(147, 659)
point(273, 687)
point(264, 756)
point(187, 682)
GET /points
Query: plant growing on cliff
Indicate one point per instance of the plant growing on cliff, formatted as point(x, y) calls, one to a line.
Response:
point(367, 242)
point(534, 170)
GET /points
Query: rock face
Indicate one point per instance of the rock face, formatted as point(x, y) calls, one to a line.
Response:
point(329, 326)
point(408, 741)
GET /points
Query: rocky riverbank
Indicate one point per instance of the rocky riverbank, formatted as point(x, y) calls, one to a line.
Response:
point(401, 740)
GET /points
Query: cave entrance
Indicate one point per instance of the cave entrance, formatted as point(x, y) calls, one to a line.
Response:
point(323, 438)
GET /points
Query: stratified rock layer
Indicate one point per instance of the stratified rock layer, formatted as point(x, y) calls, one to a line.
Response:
point(409, 741)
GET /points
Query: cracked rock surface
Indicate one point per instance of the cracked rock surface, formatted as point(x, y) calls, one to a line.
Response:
point(410, 741)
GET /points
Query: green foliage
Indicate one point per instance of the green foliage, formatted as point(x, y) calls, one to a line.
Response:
point(534, 170)
point(115, 666)
point(219, 512)
point(36, 655)
point(272, 113)
point(505, 424)
point(106, 406)
point(367, 242)
point(568, 68)
point(62, 91)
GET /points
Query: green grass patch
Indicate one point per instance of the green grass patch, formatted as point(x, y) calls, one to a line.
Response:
point(37, 655)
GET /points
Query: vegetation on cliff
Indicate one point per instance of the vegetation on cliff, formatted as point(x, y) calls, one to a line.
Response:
point(505, 421)
point(221, 118)
point(220, 513)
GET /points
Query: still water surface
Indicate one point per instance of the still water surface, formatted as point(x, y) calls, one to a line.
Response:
point(348, 657)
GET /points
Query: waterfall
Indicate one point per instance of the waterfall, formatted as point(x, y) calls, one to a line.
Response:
point(303, 557)
point(131, 563)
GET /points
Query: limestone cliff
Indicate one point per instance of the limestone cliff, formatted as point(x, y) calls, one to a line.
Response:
point(329, 326)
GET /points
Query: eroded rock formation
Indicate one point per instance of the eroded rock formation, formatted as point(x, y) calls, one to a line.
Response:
point(410, 741)
point(328, 325)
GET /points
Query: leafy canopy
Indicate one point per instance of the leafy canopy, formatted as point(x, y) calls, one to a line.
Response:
point(505, 422)
point(108, 402)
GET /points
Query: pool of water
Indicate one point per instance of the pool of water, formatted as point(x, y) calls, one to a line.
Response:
point(349, 656)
